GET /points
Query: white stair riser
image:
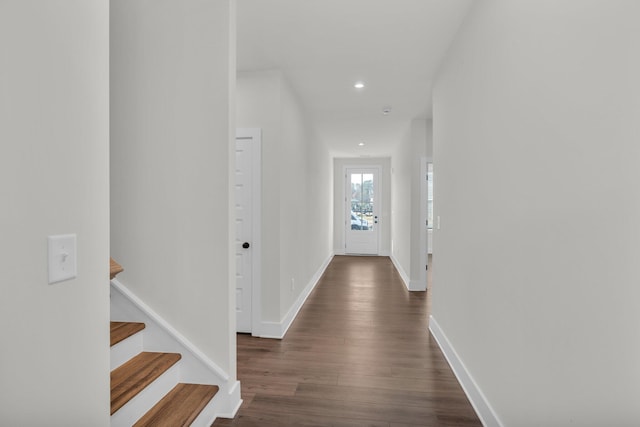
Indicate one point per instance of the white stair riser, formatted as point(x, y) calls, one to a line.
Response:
point(195, 367)
point(146, 399)
point(126, 349)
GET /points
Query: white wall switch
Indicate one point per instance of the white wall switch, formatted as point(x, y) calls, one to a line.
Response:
point(62, 258)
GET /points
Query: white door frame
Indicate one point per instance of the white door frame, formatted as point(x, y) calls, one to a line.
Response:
point(255, 134)
point(424, 229)
point(379, 192)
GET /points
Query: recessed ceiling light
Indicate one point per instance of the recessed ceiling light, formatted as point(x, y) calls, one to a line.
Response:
point(359, 85)
point(361, 144)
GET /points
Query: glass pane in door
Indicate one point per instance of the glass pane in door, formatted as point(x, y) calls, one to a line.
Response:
point(362, 191)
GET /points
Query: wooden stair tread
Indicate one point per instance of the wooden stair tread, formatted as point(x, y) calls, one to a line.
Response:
point(180, 407)
point(133, 376)
point(115, 268)
point(123, 330)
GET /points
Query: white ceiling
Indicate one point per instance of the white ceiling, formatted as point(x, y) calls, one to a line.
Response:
point(324, 46)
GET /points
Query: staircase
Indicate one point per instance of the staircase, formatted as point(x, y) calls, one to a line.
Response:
point(145, 386)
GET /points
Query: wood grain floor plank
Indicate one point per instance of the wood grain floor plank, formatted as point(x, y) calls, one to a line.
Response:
point(358, 354)
point(277, 420)
point(340, 409)
point(377, 396)
point(180, 407)
point(123, 330)
point(282, 366)
point(394, 383)
point(324, 421)
point(270, 388)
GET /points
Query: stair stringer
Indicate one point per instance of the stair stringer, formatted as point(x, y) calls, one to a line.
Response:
point(195, 366)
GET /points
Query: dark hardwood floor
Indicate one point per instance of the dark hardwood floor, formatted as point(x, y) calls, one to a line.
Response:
point(358, 354)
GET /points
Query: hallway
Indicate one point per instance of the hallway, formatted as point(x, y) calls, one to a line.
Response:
point(358, 354)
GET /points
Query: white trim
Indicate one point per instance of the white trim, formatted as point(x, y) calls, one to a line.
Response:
point(278, 330)
point(271, 330)
point(403, 274)
point(478, 400)
point(255, 134)
point(417, 285)
point(229, 408)
point(295, 309)
point(424, 229)
point(167, 328)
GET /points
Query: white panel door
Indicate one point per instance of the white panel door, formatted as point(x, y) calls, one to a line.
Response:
point(244, 232)
point(362, 199)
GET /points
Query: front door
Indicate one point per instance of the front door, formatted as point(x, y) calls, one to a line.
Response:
point(361, 214)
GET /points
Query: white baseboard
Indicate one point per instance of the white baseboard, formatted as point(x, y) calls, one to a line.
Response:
point(342, 252)
point(417, 285)
point(271, 330)
point(411, 285)
point(403, 274)
point(478, 400)
point(232, 403)
point(278, 330)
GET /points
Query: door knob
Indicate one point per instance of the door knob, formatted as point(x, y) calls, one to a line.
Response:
point(246, 245)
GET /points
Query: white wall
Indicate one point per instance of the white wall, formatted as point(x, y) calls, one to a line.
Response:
point(319, 169)
point(54, 179)
point(339, 164)
point(401, 206)
point(408, 225)
point(296, 189)
point(536, 127)
point(172, 90)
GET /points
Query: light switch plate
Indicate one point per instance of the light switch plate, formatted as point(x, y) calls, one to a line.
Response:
point(62, 258)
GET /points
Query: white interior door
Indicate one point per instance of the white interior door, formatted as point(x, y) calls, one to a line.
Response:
point(362, 200)
point(244, 232)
